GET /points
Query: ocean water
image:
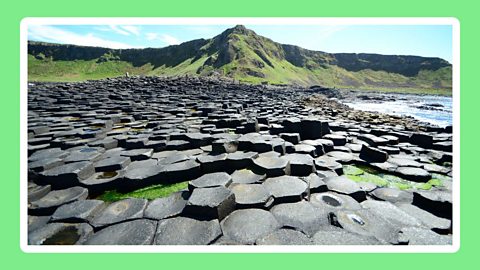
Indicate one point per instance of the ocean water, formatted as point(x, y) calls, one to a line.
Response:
point(417, 106)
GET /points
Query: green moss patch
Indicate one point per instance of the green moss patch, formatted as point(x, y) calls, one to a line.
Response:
point(149, 193)
point(370, 175)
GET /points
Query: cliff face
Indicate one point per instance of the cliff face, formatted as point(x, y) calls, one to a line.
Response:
point(240, 53)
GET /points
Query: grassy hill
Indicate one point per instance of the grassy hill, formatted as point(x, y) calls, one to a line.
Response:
point(241, 54)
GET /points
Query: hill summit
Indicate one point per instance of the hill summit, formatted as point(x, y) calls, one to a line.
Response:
point(241, 54)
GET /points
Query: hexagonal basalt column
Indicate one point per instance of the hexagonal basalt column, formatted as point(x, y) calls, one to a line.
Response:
point(186, 231)
point(210, 203)
point(251, 196)
point(271, 166)
point(50, 202)
point(135, 232)
point(286, 188)
point(300, 164)
point(119, 211)
point(220, 179)
point(67, 175)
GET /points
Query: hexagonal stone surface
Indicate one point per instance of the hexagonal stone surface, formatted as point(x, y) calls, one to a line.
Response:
point(120, 211)
point(338, 140)
point(414, 174)
point(247, 225)
point(285, 237)
point(137, 177)
point(167, 207)
point(306, 149)
point(393, 195)
point(271, 166)
point(219, 179)
point(60, 234)
point(342, 184)
point(328, 163)
point(365, 223)
point(114, 163)
point(316, 182)
point(336, 236)
point(84, 154)
point(422, 236)
point(135, 232)
point(36, 192)
point(240, 160)
point(186, 231)
point(404, 162)
point(102, 181)
point(390, 212)
point(138, 154)
point(247, 177)
point(301, 216)
point(49, 153)
point(251, 196)
point(332, 201)
point(37, 222)
point(212, 163)
point(67, 175)
point(428, 220)
point(44, 164)
point(300, 164)
point(78, 211)
point(286, 188)
point(341, 157)
point(181, 171)
point(210, 203)
point(372, 154)
point(48, 203)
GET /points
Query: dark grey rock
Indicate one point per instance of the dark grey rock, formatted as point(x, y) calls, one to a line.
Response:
point(414, 174)
point(186, 231)
point(286, 188)
point(393, 195)
point(342, 184)
point(271, 166)
point(391, 213)
point(247, 177)
point(372, 154)
point(248, 225)
point(67, 175)
point(300, 164)
point(285, 237)
point(170, 206)
point(337, 236)
point(37, 222)
point(135, 232)
point(251, 196)
point(428, 220)
point(60, 234)
point(47, 204)
point(332, 202)
point(78, 211)
point(422, 236)
point(210, 203)
point(36, 192)
point(119, 211)
point(219, 179)
point(301, 216)
point(112, 164)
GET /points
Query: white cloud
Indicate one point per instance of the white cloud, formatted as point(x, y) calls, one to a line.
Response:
point(54, 34)
point(119, 30)
point(168, 39)
point(132, 29)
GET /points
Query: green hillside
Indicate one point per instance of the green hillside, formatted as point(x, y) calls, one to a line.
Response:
point(241, 54)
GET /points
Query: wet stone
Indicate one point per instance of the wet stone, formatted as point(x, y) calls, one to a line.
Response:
point(286, 188)
point(301, 216)
point(219, 179)
point(60, 234)
point(186, 231)
point(251, 196)
point(47, 204)
point(284, 237)
point(247, 225)
point(119, 211)
point(247, 177)
point(135, 232)
point(170, 206)
point(84, 154)
point(210, 203)
point(78, 211)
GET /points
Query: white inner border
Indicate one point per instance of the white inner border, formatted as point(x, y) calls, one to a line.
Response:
point(239, 249)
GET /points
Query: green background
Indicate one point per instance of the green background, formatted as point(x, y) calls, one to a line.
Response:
point(11, 15)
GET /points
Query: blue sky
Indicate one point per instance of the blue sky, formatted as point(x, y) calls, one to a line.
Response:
point(422, 40)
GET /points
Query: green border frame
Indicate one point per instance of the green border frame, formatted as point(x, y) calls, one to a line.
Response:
point(465, 11)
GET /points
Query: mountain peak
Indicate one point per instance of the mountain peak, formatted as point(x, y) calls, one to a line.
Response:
point(238, 29)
